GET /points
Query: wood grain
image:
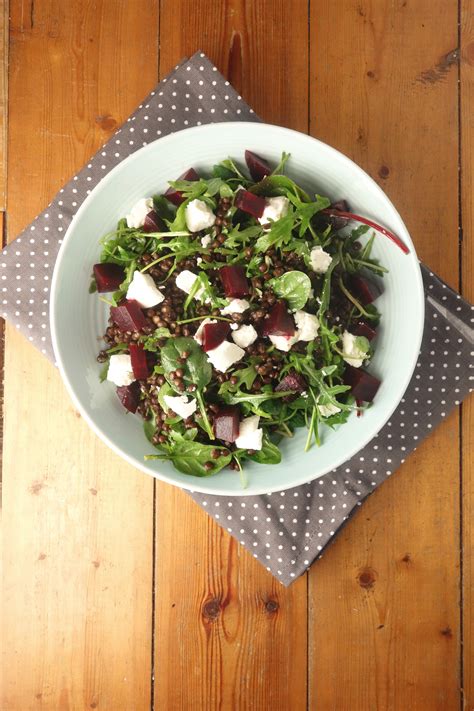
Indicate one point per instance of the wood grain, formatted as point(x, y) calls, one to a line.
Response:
point(3, 100)
point(467, 211)
point(227, 635)
point(384, 600)
point(78, 557)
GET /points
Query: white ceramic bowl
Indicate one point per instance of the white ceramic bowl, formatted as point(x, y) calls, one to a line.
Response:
point(314, 165)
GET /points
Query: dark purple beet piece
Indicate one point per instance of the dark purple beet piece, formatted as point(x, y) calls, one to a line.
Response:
point(292, 381)
point(128, 316)
point(153, 223)
point(363, 385)
point(213, 334)
point(226, 424)
point(258, 166)
point(129, 396)
point(139, 360)
point(234, 280)
point(340, 205)
point(364, 289)
point(108, 277)
point(363, 329)
point(250, 203)
point(175, 196)
point(279, 322)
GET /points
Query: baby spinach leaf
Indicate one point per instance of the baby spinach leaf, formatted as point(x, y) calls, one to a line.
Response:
point(294, 287)
point(196, 367)
point(269, 454)
point(190, 457)
point(103, 372)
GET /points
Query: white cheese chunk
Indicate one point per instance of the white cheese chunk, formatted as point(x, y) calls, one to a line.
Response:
point(234, 326)
point(276, 207)
point(181, 405)
point(328, 410)
point(206, 241)
point(353, 355)
point(236, 306)
point(225, 355)
point(319, 260)
point(120, 369)
point(250, 436)
point(198, 334)
point(283, 343)
point(244, 336)
point(185, 281)
point(199, 216)
point(307, 325)
point(144, 290)
point(136, 216)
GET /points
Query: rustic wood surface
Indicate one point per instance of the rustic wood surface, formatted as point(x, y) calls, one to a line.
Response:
point(120, 593)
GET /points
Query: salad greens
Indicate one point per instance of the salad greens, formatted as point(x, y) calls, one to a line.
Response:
point(306, 372)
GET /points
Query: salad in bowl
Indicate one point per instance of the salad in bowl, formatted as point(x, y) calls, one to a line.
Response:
point(242, 308)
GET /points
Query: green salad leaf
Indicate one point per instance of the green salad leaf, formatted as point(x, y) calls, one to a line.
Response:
point(294, 287)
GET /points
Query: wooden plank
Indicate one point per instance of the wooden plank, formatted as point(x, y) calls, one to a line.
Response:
point(3, 100)
point(227, 635)
point(467, 196)
point(78, 556)
point(384, 600)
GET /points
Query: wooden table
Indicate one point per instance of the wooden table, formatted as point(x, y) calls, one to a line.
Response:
point(120, 593)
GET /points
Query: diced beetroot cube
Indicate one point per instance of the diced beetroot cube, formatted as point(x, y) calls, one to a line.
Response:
point(292, 381)
point(175, 196)
point(363, 385)
point(128, 316)
point(129, 396)
point(108, 276)
point(250, 203)
point(364, 289)
point(257, 166)
point(279, 322)
point(234, 281)
point(139, 360)
point(226, 424)
point(213, 334)
point(363, 329)
point(153, 223)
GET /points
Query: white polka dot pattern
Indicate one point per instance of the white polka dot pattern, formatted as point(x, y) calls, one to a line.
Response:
point(288, 530)
point(187, 97)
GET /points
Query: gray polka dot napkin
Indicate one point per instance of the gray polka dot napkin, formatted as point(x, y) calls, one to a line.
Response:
point(288, 530)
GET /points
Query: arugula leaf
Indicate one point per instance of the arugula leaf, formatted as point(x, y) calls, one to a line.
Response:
point(255, 398)
point(245, 376)
point(307, 210)
point(283, 160)
point(164, 208)
point(150, 342)
point(190, 457)
point(279, 234)
point(274, 185)
point(294, 287)
point(103, 372)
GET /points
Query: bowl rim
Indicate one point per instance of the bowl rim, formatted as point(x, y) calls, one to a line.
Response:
point(195, 485)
